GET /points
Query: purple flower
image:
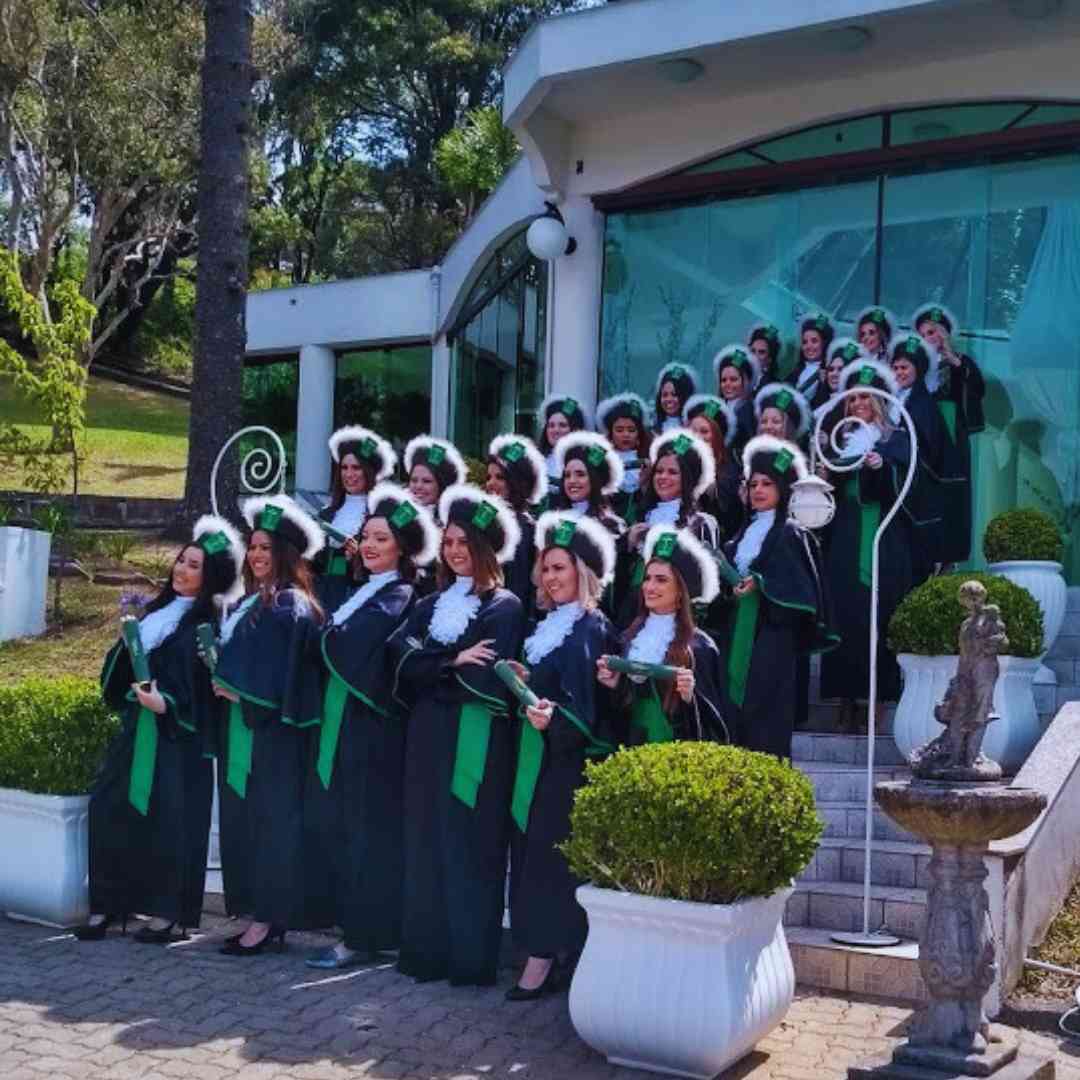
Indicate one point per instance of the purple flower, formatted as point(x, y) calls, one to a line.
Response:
point(132, 602)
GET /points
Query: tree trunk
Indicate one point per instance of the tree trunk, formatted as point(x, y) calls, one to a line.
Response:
point(221, 280)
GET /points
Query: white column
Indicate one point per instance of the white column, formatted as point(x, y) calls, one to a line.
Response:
point(314, 417)
point(441, 396)
point(574, 339)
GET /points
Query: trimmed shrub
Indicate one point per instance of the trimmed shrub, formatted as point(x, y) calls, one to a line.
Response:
point(53, 734)
point(1023, 534)
point(692, 821)
point(927, 621)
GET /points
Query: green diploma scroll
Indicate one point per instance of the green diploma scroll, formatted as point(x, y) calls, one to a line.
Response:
point(204, 635)
point(129, 631)
point(728, 574)
point(335, 534)
point(641, 670)
point(516, 685)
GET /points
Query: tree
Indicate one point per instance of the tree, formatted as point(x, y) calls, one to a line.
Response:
point(473, 157)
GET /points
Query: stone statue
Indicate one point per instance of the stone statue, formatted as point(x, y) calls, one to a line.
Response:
point(968, 704)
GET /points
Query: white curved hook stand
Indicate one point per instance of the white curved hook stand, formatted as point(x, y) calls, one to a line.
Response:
point(867, 937)
point(257, 472)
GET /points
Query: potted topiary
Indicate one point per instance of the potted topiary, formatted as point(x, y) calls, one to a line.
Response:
point(53, 733)
point(923, 634)
point(1026, 547)
point(691, 849)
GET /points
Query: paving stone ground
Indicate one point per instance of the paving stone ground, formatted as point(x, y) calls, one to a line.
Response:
point(114, 1010)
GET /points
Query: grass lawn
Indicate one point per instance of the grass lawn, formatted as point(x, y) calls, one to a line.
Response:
point(136, 440)
point(1061, 946)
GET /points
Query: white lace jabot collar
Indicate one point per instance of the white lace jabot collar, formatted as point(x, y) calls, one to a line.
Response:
point(455, 608)
point(555, 627)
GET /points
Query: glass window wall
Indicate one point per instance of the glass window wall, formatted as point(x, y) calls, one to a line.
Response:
point(387, 390)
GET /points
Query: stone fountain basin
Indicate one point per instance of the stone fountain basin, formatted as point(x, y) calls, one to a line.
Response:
point(958, 814)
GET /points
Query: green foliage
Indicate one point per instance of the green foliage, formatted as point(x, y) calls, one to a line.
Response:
point(693, 821)
point(477, 471)
point(474, 156)
point(1022, 534)
point(54, 734)
point(118, 545)
point(166, 334)
point(927, 622)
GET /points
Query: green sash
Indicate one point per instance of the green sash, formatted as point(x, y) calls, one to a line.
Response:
point(143, 761)
point(338, 566)
point(530, 758)
point(241, 740)
point(474, 730)
point(648, 715)
point(948, 414)
point(631, 511)
point(742, 644)
point(337, 693)
point(869, 520)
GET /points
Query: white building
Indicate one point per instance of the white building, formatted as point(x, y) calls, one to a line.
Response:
point(719, 164)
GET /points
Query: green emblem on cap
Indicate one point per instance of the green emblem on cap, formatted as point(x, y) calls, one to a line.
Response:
point(515, 451)
point(676, 372)
point(595, 456)
point(681, 445)
point(564, 533)
point(633, 408)
point(436, 454)
point(712, 408)
point(784, 400)
point(937, 315)
point(484, 515)
point(570, 406)
point(782, 461)
point(368, 448)
point(270, 518)
point(665, 546)
point(821, 322)
point(876, 315)
point(912, 345)
point(214, 543)
point(771, 332)
point(404, 513)
point(866, 375)
point(850, 351)
point(739, 357)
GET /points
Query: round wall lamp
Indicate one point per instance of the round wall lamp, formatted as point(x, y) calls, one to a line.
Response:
point(548, 237)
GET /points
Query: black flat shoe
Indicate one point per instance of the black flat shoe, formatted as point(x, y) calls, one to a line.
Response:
point(148, 936)
point(96, 931)
point(552, 984)
point(275, 935)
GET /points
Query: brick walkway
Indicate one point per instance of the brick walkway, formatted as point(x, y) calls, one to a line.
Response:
point(112, 1010)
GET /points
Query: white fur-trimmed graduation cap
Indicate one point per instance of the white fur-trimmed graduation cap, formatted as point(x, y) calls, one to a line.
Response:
point(223, 546)
point(626, 406)
point(742, 359)
point(576, 414)
point(848, 349)
point(281, 515)
point(683, 376)
point(939, 313)
point(468, 506)
point(696, 460)
point(441, 457)
point(518, 454)
point(881, 317)
point(867, 372)
point(789, 401)
point(715, 409)
point(769, 333)
point(820, 322)
point(778, 458)
point(367, 446)
point(921, 353)
point(412, 524)
point(690, 558)
point(598, 455)
point(581, 536)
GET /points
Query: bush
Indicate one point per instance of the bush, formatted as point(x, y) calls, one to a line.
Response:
point(53, 733)
point(1023, 534)
point(927, 622)
point(692, 821)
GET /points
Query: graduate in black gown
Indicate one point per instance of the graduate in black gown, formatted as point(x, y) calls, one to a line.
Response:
point(737, 376)
point(592, 474)
point(960, 402)
point(624, 421)
point(517, 474)
point(679, 572)
point(842, 351)
point(265, 672)
point(676, 383)
point(354, 803)
point(431, 466)
point(778, 610)
point(559, 415)
point(816, 333)
point(459, 747)
point(360, 460)
point(781, 411)
point(149, 815)
point(765, 343)
point(713, 421)
point(875, 327)
point(575, 561)
point(863, 497)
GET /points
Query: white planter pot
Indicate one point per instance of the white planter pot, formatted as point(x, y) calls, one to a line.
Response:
point(1009, 739)
point(43, 857)
point(1045, 581)
point(24, 581)
point(678, 987)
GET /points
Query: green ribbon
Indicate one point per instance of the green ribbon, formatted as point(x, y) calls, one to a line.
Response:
point(337, 693)
point(948, 414)
point(530, 759)
point(241, 740)
point(742, 644)
point(638, 575)
point(648, 715)
point(869, 520)
point(143, 761)
point(470, 759)
point(339, 565)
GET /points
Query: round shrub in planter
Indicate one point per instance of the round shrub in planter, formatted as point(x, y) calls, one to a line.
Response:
point(691, 848)
point(923, 633)
point(53, 733)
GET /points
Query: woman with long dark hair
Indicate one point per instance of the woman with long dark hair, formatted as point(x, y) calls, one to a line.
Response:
point(149, 816)
point(737, 376)
point(781, 411)
point(675, 384)
point(592, 473)
point(576, 562)
point(624, 419)
point(764, 342)
point(431, 466)
point(265, 672)
point(517, 474)
point(679, 572)
point(842, 351)
point(459, 766)
point(816, 333)
point(354, 804)
point(714, 422)
point(875, 327)
point(559, 415)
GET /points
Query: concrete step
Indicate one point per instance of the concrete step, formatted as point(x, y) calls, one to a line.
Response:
point(814, 746)
point(848, 818)
point(844, 783)
point(838, 905)
point(886, 972)
point(896, 863)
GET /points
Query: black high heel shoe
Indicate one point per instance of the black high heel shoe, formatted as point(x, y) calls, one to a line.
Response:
point(148, 936)
point(96, 931)
point(275, 935)
point(552, 984)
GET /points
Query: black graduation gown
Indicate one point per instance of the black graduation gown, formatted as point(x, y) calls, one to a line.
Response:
point(746, 425)
point(960, 402)
point(268, 662)
point(154, 864)
point(335, 579)
point(545, 917)
point(353, 841)
point(518, 571)
point(455, 853)
point(784, 617)
point(722, 501)
point(862, 500)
